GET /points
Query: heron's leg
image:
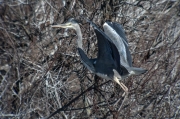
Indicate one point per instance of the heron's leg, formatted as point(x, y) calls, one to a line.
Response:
point(124, 94)
point(122, 85)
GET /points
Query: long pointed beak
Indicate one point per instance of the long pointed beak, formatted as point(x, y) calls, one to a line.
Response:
point(60, 26)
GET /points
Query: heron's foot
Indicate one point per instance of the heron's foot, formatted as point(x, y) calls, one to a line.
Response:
point(122, 86)
point(125, 94)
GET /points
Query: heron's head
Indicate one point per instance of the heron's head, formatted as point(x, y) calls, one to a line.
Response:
point(71, 24)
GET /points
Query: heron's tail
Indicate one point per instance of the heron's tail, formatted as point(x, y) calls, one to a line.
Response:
point(136, 71)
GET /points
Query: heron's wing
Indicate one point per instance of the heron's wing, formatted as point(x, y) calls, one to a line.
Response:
point(85, 60)
point(136, 71)
point(116, 33)
point(119, 29)
point(116, 56)
point(107, 51)
point(104, 50)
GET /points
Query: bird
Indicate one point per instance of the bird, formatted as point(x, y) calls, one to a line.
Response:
point(114, 60)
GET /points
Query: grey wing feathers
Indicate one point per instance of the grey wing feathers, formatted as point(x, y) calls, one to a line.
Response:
point(104, 49)
point(120, 30)
point(115, 31)
point(85, 60)
point(109, 52)
point(105, 43)
point(136, 71)
point(116, 56)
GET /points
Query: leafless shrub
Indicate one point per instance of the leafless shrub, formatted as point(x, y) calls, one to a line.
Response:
point(40, 71)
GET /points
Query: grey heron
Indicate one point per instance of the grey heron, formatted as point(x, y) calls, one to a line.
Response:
point(114, 60)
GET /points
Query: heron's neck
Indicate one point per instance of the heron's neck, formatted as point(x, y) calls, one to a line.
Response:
point(79, 34)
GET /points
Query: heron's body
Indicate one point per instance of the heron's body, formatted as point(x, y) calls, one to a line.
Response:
point(114, 60)
point(104, 64)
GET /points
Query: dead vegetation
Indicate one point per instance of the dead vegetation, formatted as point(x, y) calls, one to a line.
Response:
point(40, 70)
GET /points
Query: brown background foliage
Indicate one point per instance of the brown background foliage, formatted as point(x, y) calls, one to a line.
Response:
point(40, 70)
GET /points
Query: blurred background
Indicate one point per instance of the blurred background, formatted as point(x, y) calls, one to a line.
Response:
point(40, 69)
